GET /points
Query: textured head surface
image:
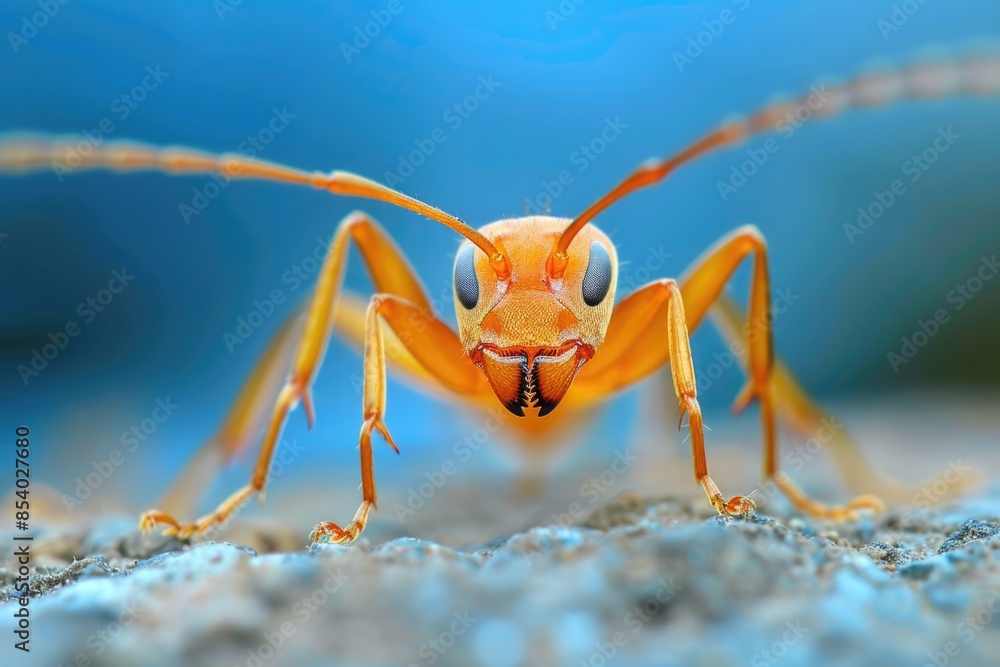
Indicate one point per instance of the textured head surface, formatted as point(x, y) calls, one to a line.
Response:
point(531, 333)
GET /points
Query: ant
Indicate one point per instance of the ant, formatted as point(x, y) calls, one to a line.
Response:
point(538, 326)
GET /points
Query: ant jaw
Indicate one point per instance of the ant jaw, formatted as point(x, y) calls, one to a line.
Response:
point(531, 377)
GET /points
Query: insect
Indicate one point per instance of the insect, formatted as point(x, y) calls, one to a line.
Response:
point(538, 327)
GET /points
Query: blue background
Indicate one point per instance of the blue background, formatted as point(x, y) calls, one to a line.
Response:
point(559, 82)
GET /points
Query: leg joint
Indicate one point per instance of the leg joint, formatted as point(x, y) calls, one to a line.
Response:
point(379, 299)
point(663, 287)
point(754, 236)
point(359, 226)
point(356, 219)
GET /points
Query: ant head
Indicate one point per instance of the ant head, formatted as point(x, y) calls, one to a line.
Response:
point(529, 331)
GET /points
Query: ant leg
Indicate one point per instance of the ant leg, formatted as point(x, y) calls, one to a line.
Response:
point(635, 325)
point(702, 287)
point(242, 423)
point(391, 273)
point(625, 362)
point(433, 345)
point(797, 410)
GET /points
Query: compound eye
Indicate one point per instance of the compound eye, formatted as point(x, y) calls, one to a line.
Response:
point(466, 282)
point(597, 279)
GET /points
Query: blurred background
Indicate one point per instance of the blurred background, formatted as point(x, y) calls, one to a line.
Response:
point(310, 88)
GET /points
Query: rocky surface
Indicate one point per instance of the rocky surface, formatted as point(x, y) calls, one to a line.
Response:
point(637, 582)
point(599, 569)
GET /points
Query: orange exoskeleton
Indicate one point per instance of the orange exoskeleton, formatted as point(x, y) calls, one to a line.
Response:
point(538, 326)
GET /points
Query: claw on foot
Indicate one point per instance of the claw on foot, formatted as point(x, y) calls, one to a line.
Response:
point(183, 531)
point(805, 504)
point(153, 518)
point(741, 505)
point(735, 506)
point(872, 503)
point(332, 533)
point(848, 511)
point(150, 519)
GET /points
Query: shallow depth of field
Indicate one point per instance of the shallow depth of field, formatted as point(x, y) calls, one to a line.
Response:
point(136, 305)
